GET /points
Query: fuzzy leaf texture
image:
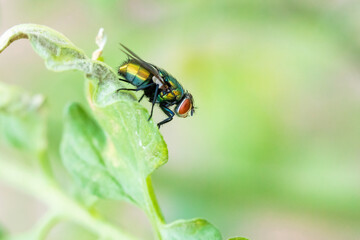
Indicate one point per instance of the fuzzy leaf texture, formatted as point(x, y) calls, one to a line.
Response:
point(112, 152)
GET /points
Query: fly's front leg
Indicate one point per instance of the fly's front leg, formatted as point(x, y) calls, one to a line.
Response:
point(154, 100)
point(168, 112)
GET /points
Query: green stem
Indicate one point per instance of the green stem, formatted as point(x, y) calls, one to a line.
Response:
point(40, 231)
point(45, 165)
point(153, 209)
point(37, 185)
point(46, 224)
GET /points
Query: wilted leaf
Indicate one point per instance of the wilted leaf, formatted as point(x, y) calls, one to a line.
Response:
point(194, 229)
point(22, 119)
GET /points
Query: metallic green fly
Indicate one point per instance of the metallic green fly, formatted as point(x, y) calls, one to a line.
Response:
point(158, 86)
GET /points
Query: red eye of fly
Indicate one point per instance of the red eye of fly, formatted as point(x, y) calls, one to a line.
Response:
point(183, 108)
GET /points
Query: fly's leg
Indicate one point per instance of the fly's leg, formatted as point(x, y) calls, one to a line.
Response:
point(141, 97)
point(124, 80)
point(140, 87)
point(143, 87)
point(154, 100)
point(168, 112)
point(136, 89)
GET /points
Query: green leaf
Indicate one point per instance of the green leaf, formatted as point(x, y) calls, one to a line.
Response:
point(22, 119)
point(194, 229)
point(82, 153)
point(238, 238)
point(115, 163)
point(59, 53)
point(112, 155)
point(134, 146)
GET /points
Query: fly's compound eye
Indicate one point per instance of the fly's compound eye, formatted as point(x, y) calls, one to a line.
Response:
point(184, 107)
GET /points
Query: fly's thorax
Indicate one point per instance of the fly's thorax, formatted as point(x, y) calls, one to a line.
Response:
point(134, 73)
point(164, 96)
point(174, 92)
point(171, 94)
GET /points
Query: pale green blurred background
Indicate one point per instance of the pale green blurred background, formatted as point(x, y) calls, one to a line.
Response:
point(273, 149)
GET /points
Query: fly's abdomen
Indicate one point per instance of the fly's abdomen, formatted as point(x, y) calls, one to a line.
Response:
point(134, 73)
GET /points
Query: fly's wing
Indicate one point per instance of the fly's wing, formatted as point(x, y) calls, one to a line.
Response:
point(151, 68)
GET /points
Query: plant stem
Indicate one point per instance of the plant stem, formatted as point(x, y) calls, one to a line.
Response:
point(37, 185)
point(45, 165)
point(153, 209)
point(45, 225)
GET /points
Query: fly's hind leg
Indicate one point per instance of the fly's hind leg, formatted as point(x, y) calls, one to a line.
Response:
point(141, 97)
point(136, 89)
point(124, 80)
point(143, 94)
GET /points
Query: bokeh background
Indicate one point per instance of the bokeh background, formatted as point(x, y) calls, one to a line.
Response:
point(273, 149)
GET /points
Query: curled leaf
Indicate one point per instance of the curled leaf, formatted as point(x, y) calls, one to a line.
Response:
point(58, 52)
